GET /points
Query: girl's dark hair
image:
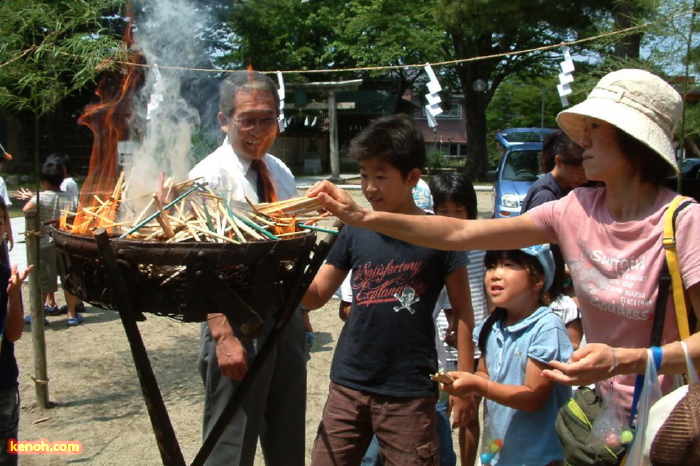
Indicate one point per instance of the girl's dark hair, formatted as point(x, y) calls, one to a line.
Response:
point(651, 167)
point(559, 143)
point(392, 139)
point(455, 187)
point(527, 261)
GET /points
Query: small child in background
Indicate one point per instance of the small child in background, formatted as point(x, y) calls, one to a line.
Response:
point(380, 375)
point(7, 240)
point(68, 186)
point(422, 196)
point(53, 203)
point(454, 196)
point(11, 327)
point(517, 342)
point(3, 186)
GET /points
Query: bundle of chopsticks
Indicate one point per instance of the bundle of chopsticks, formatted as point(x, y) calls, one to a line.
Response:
point(189, 211)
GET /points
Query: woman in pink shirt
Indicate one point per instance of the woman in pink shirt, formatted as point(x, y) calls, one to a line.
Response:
point(610, 237)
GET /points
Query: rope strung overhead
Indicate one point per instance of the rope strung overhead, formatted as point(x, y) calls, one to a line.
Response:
point(417, 65)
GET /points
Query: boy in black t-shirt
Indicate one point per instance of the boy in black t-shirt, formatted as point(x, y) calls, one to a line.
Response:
point(380, 375)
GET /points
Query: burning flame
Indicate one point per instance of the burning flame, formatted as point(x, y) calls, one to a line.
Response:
point(108, 121)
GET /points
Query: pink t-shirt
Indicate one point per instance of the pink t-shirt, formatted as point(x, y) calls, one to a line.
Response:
point(615, 266)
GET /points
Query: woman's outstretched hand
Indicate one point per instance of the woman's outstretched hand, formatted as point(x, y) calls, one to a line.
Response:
point(590, 364)
point(337, 201)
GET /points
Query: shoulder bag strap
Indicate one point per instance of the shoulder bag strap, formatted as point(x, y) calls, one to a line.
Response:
point(657, 328)
point(670, 275)
point(669, 243)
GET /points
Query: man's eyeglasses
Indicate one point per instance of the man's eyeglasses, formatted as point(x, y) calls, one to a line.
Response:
point(248, 123)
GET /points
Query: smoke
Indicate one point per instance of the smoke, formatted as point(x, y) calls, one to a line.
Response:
point(168, 34)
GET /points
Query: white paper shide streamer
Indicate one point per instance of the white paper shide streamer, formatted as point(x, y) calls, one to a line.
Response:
point(280, 120)
point(433, 108)
point(566, 77)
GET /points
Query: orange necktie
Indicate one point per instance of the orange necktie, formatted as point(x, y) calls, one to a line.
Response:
point(266, 192)
point(265, 188)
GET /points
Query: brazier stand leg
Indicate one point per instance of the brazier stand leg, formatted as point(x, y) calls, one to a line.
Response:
point(168, 445)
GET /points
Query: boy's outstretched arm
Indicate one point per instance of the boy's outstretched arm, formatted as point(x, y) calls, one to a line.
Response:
point(15, 320)
point(325, 283)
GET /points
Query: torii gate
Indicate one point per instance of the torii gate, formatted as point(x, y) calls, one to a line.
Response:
point(329, 90)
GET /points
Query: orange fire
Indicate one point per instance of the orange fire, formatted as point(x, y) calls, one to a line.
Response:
point(108, 121)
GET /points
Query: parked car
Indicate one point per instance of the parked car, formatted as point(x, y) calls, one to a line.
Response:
point(518, 168)
point(690, 178)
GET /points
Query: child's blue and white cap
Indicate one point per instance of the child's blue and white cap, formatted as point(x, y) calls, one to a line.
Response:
point(543, 254)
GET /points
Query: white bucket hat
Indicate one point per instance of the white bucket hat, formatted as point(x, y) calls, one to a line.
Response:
point(639, 103)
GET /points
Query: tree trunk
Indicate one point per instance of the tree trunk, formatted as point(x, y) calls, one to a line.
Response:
point(55, 129)
point(475, 103)
point(628, 45)
point(477, 152)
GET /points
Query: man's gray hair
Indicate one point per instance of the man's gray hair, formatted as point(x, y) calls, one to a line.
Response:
point(244, 81)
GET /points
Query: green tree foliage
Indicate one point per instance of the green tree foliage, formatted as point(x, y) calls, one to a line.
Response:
point(326, 35)
point(395, 33)
point(52, 48)
point(285, 35)
point(676, 46)
point(490, 28)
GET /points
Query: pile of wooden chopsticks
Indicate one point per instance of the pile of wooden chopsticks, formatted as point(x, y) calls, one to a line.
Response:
point(189, 211)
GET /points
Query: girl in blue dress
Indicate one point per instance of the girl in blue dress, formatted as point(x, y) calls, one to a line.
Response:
point(518, 341)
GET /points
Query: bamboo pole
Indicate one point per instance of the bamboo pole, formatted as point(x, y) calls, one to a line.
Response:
point(36, 307)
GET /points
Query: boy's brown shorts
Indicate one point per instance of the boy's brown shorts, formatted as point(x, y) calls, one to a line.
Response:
point(405, 427)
